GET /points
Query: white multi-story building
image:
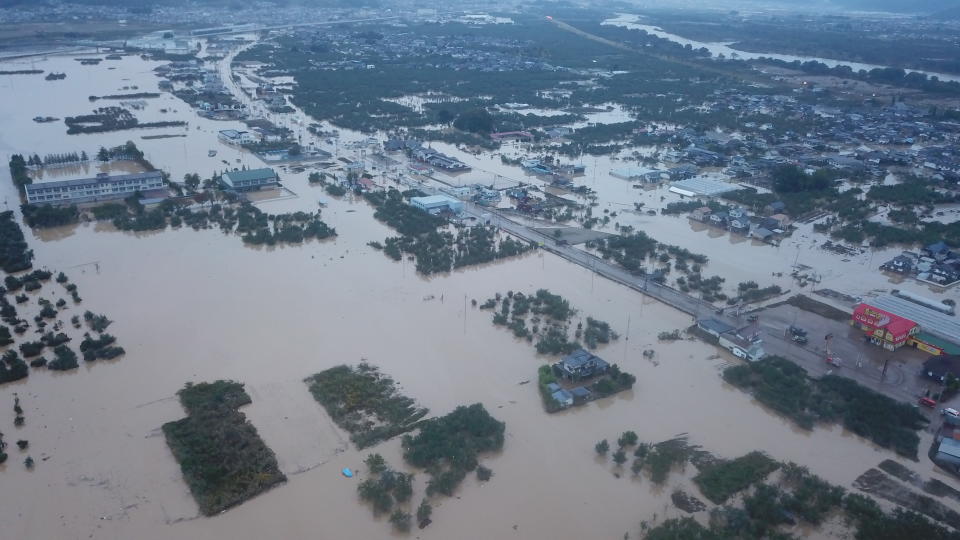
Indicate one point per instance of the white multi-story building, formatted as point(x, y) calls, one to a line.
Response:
point(232, 136)
point(102, 187)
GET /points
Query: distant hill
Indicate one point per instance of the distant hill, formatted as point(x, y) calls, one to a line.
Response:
point(949, 13)
point(895, 6)
point(140, 4)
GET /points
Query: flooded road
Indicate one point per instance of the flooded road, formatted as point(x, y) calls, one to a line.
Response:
point(196, 306)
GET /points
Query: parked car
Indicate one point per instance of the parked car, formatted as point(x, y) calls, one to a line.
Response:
point(927, 402)
point(950, 412)
point(800, 340)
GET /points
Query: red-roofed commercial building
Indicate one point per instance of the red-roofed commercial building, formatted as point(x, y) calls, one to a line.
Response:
point(884, 328)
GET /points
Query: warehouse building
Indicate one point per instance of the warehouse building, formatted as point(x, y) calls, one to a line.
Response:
point(101, 187)
point(702, 187)
point(435, 204)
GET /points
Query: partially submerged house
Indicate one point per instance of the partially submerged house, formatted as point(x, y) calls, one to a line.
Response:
point(580, 364)
point(728, 337)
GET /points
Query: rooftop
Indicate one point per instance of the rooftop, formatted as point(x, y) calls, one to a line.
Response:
point(252, 174)
point(580, 358)
point(949, 447)
point(92, 180)
point(703, 186)
point(431, 200)
point(714, 325)
point(930, 321)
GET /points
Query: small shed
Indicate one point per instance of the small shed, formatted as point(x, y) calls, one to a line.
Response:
point(948, 454)
point(563, 397)
point(581, 394)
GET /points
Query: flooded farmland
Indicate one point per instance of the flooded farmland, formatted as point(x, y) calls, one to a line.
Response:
point(196, 306)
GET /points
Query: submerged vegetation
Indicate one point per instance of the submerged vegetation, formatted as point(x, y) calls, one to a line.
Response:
point(221, 455)
point(786, 388)
point(545, 317)
point(15, 256)
point(436, 250)
point(723, 479)
point(384, 487)
point(253, 225)
point(450, 446)
point(365, 403)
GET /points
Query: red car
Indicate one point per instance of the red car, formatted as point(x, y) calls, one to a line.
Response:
point(927, 402)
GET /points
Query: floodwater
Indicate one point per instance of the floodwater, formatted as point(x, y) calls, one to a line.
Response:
point(195, 306)
point(725, 50)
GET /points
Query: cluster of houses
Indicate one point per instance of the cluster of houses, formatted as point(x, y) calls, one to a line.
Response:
point(581, 365)
point(202, 89)
point(424, 154)
point(859, 141)
point(559, 174)
point(936, 264)
point(438, 159)
point(737, 220)
point(655, 176)
point(742, 342)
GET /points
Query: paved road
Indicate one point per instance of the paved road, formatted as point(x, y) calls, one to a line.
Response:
point(811, 358)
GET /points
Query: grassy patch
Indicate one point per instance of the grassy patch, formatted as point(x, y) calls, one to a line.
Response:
point(221, 455)
point(365, 403)
point(719, 481)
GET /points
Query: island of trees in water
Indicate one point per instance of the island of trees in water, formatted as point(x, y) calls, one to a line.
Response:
point(423, 237)
point(788, 390)
point(105, 119)
point(254, 226)
point(365, 403)
point(448, 448)
point(221, 455)
point(16, 259)
point(754, 496)
point(546, 317)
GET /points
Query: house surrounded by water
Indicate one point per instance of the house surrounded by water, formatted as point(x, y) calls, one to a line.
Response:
point(580, 364)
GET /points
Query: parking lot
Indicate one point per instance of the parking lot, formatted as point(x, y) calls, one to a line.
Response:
point(858, 358)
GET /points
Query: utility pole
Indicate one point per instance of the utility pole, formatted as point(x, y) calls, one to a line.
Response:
point(886, 362)
point(626, 338)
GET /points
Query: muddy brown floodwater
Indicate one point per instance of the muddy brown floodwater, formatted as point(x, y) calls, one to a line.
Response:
point(199, 306)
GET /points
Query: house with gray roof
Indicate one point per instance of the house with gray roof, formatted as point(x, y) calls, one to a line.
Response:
point(580, 364)
point(948, 454)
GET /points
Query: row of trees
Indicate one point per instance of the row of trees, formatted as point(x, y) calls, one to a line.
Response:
point(57, 159)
